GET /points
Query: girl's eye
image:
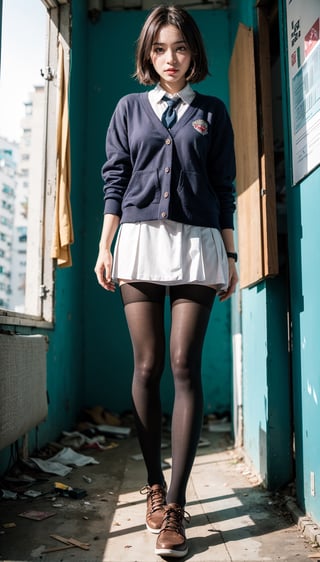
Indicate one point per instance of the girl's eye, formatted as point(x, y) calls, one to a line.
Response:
point(158, 50)
point(182, 48)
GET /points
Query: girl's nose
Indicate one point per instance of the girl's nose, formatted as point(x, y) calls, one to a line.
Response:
point(171, 56)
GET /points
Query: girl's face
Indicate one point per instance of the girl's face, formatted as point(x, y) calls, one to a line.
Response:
point(171, 58)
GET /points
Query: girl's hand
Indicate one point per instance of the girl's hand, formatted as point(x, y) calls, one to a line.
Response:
point(103, 270)
point(233, 280)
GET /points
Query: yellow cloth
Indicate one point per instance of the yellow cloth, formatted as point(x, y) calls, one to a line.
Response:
point(63, 229)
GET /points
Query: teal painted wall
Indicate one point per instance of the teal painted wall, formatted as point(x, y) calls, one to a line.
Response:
point(255, 396)
point(241, 11)
point(266, 381)
point(304, 231)
point(108, 356)
point(306, 342)
point(304, 228)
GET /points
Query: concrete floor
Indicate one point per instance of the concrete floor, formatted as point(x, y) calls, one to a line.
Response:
point(232, 517)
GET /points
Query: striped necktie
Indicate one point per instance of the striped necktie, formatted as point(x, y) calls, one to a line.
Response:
point(169, 115)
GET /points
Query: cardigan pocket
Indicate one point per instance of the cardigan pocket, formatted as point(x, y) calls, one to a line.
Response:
point(196, 185)
point(191, 183)
point(197, 197)
point(143, 189)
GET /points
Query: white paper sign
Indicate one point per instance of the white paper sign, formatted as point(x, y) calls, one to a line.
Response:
point(303, 29)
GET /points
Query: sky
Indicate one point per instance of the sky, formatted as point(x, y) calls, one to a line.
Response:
point(22, 56)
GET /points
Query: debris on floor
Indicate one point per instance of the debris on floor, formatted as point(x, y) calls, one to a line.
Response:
point(218, 424)
point(36, 515)
point(97, 430)
point(232, 517)
point(68, 543)
point(99, 416)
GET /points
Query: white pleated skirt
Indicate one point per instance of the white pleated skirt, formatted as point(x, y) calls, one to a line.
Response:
point(170, 253)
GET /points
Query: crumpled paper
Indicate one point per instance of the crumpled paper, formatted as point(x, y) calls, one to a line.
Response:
point(59, 463)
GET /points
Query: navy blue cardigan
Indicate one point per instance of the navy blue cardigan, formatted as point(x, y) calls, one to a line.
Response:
point(185, 174)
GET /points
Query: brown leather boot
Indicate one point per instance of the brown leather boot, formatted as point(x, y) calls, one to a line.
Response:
point(172, 539)
point(156, 501)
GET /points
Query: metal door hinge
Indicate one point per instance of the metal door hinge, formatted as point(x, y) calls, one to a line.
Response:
point(44, 291)
point(47, 74)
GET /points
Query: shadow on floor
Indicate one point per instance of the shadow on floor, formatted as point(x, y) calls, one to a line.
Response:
point(232, 518)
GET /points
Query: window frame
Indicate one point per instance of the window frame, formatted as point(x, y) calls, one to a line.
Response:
point(58, 22)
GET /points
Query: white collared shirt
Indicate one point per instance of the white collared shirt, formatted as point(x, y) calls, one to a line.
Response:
point(159, 105)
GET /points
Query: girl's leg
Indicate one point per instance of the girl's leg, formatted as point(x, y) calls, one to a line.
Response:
point(144, 310)
point(191, 307)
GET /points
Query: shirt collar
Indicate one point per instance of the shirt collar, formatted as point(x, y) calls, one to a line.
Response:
point(186, 94)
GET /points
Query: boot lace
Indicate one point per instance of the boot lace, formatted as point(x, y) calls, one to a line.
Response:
point(156, 497)
point(173, 519)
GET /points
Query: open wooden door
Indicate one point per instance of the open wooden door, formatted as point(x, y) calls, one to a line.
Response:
point(250, 98)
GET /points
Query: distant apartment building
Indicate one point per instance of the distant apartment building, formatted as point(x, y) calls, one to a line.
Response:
point(8, 175)
point(20, 187)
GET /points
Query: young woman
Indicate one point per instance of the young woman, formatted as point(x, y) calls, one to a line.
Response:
point(168, 182)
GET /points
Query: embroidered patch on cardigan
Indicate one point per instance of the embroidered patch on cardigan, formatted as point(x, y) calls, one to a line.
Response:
point(201, 126)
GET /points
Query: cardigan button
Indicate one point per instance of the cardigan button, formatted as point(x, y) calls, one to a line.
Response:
point(163, 215)
point(167, 170)
point(168, 141)
point(166, 194)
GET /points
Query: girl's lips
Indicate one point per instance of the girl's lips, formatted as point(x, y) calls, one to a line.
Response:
point(171, 70)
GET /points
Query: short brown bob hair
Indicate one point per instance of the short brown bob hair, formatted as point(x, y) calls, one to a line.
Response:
point(177, 16)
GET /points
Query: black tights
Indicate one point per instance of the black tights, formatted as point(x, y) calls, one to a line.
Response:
point(190, 311)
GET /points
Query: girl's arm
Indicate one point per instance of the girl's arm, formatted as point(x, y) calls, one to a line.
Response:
point(227, 237)
point(103, 265)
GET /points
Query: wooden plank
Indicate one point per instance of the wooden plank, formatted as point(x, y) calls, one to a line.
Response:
point(251, 259)
point(57, 548)
point(268, 187)
point(79, 544)
point(71, 541)
point(243, 110)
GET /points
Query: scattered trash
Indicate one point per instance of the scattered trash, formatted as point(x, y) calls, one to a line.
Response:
point(69, 457)
point(114, 430)
point(100, 416)
point(112, 446)
point(68, 491)
point(137, 457)
point(87, 478)
point(68, 543)
point(8, 495)
point(32, 493)
point(78, 440)
point(203, 442)
point(58, 464)
point(57, 548)
point(52, 467)
point(74, 542)
point(9, 525)
point(77, 493)
point(37, 515)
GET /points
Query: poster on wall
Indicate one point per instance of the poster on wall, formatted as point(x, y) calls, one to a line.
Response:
point(303, 31)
